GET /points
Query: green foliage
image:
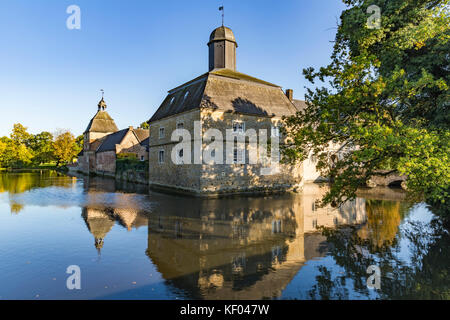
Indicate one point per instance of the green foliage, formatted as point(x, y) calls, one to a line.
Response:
point(65, 148)
point(125, 155)
point(386, 105)
point(23, 149)
point(124, 164)
point(41, 145)
point(144, 125)
point(79, 141)
point(14, 152)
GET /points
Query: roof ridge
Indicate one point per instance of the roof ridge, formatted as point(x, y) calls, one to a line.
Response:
point(228, 73)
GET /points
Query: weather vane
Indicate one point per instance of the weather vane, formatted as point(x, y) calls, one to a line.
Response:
point(103, 92)
point(221, 8)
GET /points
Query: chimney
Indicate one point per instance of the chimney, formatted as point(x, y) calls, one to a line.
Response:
point(290, 94)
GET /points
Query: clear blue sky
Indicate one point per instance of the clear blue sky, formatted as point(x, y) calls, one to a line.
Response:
point(137, 50)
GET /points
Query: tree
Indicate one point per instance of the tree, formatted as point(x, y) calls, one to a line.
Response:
point(16, 153)
point(3, 155)
point(386, 105)
point(65, 147)
point(42, 146)
point(20, 134)
point(144, 125)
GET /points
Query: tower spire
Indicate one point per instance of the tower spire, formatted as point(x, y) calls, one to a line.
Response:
point(102, 104)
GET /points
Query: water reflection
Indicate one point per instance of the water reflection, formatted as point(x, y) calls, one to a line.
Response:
point(16, 183)
point(241, 248)
point(254, 247)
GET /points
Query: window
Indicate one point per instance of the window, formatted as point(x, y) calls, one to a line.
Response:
point(185, 95)
point(238, 127)
point(314, 223)
point(161, 156)
point(276, 226)
point(275, 131)
point(213, 153)
point(172, 100)
point(142, 158)
point(161, 133)
point(180, 125)
point(238, 156)
point(180, 153)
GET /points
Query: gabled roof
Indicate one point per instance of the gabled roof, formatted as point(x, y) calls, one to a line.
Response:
point(110, 141)
point(101, 122)
point(145, 142)
point(227, 90)
point(142, 134)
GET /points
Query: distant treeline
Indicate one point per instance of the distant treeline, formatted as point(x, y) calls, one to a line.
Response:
point(22, 149)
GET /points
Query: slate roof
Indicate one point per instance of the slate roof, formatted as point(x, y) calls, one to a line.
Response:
point(300, 105)
point(110, 141)
point(101, 122)
point(226, 90)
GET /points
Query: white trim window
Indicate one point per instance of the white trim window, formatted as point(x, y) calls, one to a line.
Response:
point(238, 127)
point(238, 155)
point(161, 132)
point(161, 156)
point(275, 131)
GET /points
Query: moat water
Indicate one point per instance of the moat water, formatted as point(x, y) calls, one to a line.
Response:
point(130, 243)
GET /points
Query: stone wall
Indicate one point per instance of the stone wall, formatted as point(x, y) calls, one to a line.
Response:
point(237, 178)
point(106, 162)
point(168, 174)
point(211, 180)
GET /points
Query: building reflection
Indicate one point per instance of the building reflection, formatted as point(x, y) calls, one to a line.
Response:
point(233, 248)
point(108, 203)
point(241, 248)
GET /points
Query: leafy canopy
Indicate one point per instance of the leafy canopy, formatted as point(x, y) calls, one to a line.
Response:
point(386, 102)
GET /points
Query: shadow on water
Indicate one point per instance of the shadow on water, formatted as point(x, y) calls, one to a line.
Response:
point(259, 247)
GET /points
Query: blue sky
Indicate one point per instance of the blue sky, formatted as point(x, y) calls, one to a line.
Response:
point(136, 50)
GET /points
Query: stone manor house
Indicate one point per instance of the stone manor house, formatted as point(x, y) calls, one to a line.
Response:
point(222, 99)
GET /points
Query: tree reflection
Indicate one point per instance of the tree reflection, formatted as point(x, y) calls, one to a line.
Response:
point(421, 275)
point(17, 182)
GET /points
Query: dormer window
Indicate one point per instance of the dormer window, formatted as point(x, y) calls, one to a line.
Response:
point(172, 100)
point(185, 95)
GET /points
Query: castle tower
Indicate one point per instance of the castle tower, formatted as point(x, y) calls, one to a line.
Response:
point(100, 126)
point(222, 49)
